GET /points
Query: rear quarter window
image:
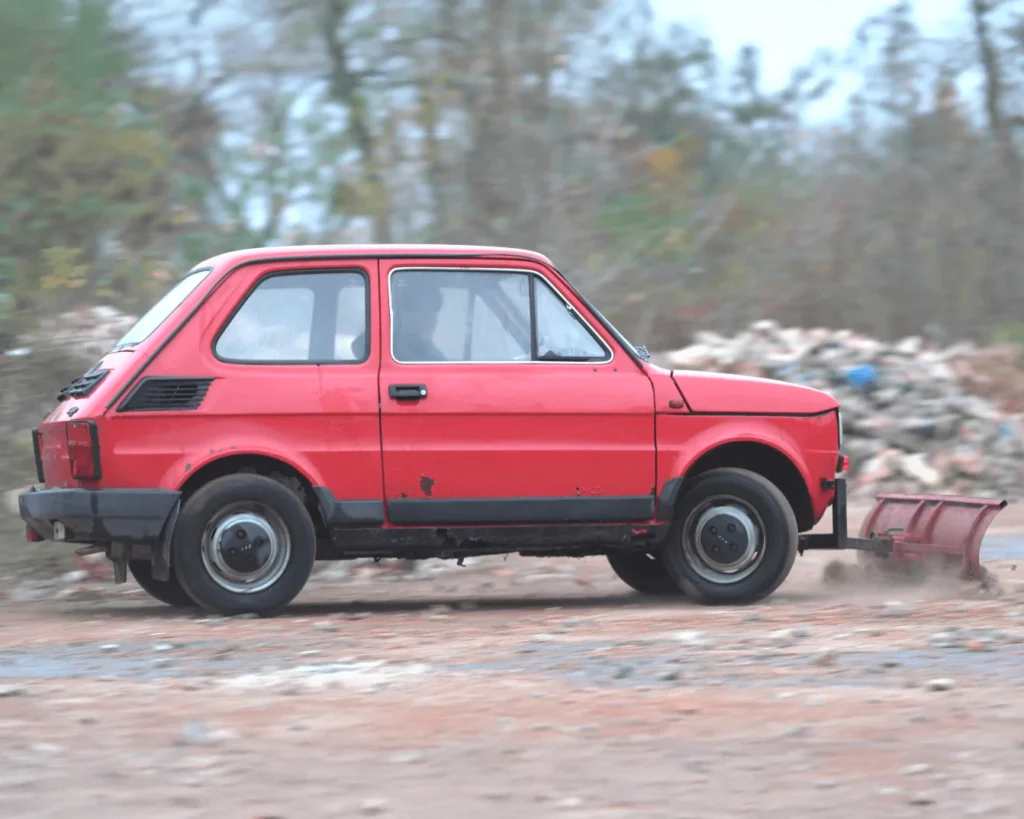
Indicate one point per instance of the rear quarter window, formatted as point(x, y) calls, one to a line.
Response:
point(159, 312)
point(299, 318)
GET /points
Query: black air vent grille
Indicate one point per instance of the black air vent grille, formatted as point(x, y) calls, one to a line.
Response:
point(83, 385)
point(155, 394)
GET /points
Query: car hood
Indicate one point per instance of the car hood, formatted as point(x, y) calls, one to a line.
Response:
point(722, 393)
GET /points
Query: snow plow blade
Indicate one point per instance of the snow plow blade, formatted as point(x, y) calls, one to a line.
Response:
point(949, 528)
point(904, 532)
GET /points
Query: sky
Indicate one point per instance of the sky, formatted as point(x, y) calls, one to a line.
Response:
point(789, 31)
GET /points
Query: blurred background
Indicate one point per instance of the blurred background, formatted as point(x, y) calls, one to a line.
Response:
point(700, 171)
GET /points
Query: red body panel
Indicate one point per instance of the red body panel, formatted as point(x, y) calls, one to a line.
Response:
point(724, 393)
point(808, 442)
point(668, 398)
point(517, 430)
point(541, 429)
point(322, 419)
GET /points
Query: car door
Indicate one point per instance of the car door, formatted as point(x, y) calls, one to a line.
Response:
point(300, 363)
point(483, 423)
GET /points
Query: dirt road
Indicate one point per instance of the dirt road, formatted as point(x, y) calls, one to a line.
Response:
point(517, 689)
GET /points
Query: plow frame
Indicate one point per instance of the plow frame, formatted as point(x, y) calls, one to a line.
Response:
point(902, 530)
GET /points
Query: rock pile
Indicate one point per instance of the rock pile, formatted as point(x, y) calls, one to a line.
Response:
point(916, 417)
point(85, 334)
point(88, 332)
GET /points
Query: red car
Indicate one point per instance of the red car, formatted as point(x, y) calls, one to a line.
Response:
point(284, 405)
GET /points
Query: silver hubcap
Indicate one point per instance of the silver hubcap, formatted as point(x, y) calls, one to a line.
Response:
point(246, 548)
point(723, 540)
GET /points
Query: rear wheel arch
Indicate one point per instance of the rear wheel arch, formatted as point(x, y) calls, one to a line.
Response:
point(255, 464)
point(764, 460)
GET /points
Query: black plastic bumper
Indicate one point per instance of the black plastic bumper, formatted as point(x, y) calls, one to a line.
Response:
point(102, 516)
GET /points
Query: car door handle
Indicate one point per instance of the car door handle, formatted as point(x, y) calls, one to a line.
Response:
point(407, 392)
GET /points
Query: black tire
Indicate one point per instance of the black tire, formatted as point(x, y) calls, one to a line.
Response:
point(775, 548)
point(286, 522)
point(643, 573)
point(167, 591)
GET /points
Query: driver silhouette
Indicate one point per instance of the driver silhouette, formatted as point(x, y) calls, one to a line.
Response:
point(416, 304)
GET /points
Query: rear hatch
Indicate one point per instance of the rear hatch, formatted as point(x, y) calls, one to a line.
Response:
point(80, 404)
point(67, 440)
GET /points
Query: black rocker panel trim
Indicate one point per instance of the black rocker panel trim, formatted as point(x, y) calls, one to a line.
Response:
point(519, 511)
point(348, 512)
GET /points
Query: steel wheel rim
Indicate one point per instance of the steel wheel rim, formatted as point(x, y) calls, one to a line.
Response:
point(249, 564)
point(717, 554)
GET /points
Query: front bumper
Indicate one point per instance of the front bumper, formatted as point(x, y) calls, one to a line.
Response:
point(98, 516)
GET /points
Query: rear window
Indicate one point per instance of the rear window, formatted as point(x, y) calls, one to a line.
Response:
point(159, 312)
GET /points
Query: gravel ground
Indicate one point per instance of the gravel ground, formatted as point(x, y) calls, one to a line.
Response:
point(518, 688)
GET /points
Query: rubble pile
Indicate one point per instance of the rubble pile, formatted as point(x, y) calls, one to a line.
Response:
point(85, 334)
point(916, 417)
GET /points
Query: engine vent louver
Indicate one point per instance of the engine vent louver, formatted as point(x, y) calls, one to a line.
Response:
point(166, 394)
point(83, 385)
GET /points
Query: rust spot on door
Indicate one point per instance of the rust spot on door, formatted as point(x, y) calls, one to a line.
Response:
point(427, 485)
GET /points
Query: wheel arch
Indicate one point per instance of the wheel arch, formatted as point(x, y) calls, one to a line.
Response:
point(766, 460)
point(269, 466)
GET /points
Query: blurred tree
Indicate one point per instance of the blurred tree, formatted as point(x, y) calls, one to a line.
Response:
point(83, 171)
point(138, 136)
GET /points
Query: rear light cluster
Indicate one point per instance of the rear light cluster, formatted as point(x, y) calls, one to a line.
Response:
point(84, 449)
point(37, 450)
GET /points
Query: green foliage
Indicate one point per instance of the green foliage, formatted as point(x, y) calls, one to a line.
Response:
point(1009, 333)
point(78, 167)
point(678, 184)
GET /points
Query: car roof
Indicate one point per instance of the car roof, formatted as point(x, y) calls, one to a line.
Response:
point(419, 251)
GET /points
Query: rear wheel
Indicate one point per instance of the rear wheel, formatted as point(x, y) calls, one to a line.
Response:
point(244, 544)
point(167, 591)
point(734, 538)
point(643, 573)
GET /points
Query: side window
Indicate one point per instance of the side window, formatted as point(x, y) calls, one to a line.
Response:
point(298, 318)
point(350, 331)
point(490, 341)
point(441, 315)
point(561, 334)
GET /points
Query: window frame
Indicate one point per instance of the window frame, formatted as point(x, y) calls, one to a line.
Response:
point(533, 276)
point(275, 274)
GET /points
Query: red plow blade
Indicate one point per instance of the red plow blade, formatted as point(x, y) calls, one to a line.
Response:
point(923, 528)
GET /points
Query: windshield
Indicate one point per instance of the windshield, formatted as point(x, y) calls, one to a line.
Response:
point(158, 313)
point(638, 353)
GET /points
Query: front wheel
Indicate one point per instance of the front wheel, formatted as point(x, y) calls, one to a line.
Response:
point(643, 573)
point(244, 544)
point(734, 538)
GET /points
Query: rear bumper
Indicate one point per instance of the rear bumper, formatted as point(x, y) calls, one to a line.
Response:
point(101, 516)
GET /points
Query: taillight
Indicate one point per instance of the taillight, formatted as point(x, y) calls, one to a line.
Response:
point(37, 450)
point(84, 449)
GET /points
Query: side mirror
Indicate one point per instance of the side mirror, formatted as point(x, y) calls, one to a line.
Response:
point(642, 351)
